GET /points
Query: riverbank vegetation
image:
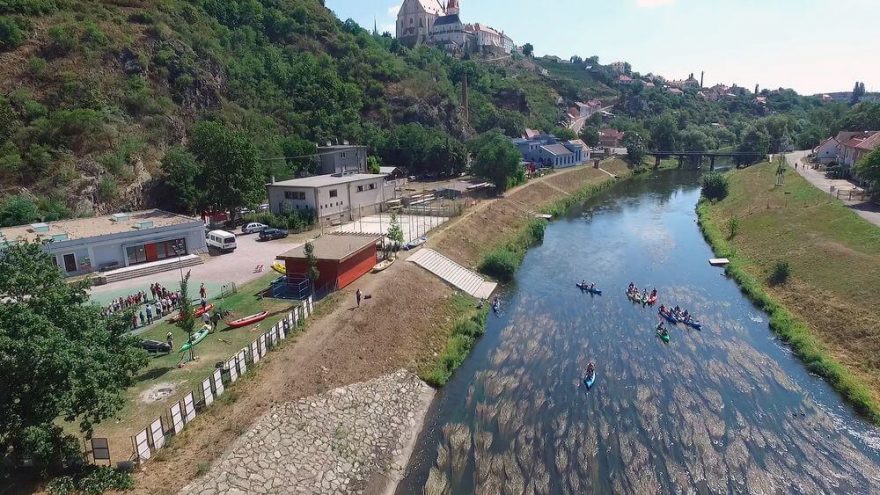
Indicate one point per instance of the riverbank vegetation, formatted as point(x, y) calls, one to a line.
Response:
point(466, 330)
point(501, 263)
point(830, 258)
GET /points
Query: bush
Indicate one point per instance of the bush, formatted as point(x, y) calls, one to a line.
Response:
point(732, 227)
point(63, 41)
point(93, 480)
point(293, 221)
point(500, 264)
point(715, 186)
point(11, 34)
point(107, 188)
point(781, 272)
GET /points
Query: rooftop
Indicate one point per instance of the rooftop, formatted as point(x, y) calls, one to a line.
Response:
point(333, 247)
point(325, 180)
point(556, 149)
point(82, 228)
point(447, 19)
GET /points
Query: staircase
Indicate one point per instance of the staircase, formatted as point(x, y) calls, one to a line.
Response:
point(146, 269)
point(453, 273)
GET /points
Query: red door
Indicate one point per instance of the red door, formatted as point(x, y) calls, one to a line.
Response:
point(150, 250)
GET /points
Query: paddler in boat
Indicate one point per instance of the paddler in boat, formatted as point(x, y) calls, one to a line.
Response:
point(593, 286)
point(654, 292)
point(631, 287)
point(644, 293)
point(590, 369)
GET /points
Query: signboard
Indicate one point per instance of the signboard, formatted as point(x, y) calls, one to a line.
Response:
point(100, 449)
point(189, 408)
point(218, 383)
point(242, 361)
point(176, 418)
point(157, 433)
point(206, 392)
point(142, 446)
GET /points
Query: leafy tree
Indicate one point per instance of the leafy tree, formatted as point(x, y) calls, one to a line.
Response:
point(528, 50)
point(590, 135)
point(18, 210)
point(664, 133)
point(231, 173)
point(857, 93)
point(182, 179)
point(298, 152)
point(187, 321)
point(312, 263)
point(11, 34)
point(564, 133)
point(60, 358)
point(395, 232)
point(715, 186)
point(373, 164)
point(757, 141)
point(868, 168)
point(497, 159)
point(635, 147)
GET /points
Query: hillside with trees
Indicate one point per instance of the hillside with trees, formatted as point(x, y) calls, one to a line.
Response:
point(113, 105)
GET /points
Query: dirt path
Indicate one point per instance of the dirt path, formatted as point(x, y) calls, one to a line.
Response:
point(403, 325)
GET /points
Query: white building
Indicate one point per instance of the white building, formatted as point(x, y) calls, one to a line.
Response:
point(333, 198)
point(448, 33)
point(618, 67)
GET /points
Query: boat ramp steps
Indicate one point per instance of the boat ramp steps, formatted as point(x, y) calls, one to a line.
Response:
point(147, 269)
point(453, 273)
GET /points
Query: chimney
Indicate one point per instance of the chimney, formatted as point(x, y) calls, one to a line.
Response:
point(702, 73)
point(756, 89)
point(272, 179)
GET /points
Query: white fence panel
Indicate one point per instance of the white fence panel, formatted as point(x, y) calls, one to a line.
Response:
point(242, 361)
point(218, 383)
point(157, 433)
point(189, 408)
point(206, 391)
point(176, 418)
point(255, 351)
point(142, 446)
point(233, 373)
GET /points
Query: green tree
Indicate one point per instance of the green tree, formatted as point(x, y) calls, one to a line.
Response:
point(395, 232)
point(868, 168)
point(564, 133)
point(635, 147)
point(231, 172)
point(11, 34)
point(187, 321)
point(373, 164)
point(299, 153)
point(60, 358)
point(18, 210)
point(715, 186)
point(590, 135)
point(312, 263)
point(528, 50)
point(756, 141)
point(497, 159)
point(182, 178)
point(664, 133)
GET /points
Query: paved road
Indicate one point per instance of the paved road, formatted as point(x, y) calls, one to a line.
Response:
point(578, 123)
point(864, 209)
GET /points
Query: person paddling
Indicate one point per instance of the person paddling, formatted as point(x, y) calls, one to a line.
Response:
point(590, 370)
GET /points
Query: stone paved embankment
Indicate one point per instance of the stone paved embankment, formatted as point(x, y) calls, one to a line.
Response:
point(352, 439)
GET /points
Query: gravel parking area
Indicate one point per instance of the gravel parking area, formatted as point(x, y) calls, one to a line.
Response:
point(413, 226)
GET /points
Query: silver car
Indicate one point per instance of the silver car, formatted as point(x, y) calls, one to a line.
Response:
point(253, 227)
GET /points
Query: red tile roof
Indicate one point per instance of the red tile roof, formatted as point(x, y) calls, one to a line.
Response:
point(869, 143)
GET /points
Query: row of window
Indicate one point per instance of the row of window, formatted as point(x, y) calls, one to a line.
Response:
point(334, 193)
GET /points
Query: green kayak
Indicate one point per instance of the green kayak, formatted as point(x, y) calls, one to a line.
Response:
point(664, 336)
point(196, 338)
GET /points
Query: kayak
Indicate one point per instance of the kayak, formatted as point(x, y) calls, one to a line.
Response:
point(279, 267)
point(247, 320)
point(196, 313)
point(590, 380)
point(196, 338)
point(693, 323)
point(669, 317)
point(415, 243)
point(588, 289)
point(652, 300)
point(634, 297)
point(378, 267)
point(663, 336)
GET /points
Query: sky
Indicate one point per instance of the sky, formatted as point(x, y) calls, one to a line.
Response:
point(811, 46)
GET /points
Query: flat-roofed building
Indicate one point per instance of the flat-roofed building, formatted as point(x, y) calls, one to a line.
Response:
point(342, 259)
point(342, 158)
point(332, 198)
point(84, 245)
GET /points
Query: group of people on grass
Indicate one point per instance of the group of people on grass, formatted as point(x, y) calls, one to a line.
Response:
point(162, 303)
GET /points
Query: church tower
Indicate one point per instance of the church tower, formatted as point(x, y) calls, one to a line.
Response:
point(452, 7)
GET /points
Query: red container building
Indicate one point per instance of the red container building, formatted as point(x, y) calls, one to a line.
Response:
point(342, 258)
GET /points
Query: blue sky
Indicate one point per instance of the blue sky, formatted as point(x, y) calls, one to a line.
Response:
point(812, 46)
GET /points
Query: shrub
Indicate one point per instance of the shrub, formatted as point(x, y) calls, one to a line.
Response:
point(732, 227)
point(92, 480)
point(27, 7)
point(63, 41)
point(536, 230)
point(11, 34)
point(92, 35)
point(715, 186)
point(500, 264)
point(781, 272)
point(107, 188)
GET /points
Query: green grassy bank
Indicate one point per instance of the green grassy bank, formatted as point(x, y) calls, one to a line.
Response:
point(834, 255)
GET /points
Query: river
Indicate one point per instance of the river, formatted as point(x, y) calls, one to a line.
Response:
point(727, 409)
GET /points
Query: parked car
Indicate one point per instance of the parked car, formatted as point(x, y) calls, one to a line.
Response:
point(270, 234)
point(154, 346)
point(250, 228)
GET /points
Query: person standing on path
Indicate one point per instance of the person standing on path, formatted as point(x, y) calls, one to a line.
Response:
point(202, 292)
point(357, 296)
point(149, 314)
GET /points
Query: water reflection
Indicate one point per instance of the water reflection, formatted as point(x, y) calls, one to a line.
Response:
point(720, 410)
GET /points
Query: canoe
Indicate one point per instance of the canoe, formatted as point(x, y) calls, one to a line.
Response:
point(652, 299)
point(665, 337)
point(199, 311)
point(588, 289)
point(693, 323)
point(382, 265)
point(634, 297)
point(279, 267)
point(590, 380)
point(196, 338)
point(247, 320)
point(669, 317)
point(415, 243)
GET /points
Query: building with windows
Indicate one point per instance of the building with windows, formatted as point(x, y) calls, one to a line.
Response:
point(104, 244)
point(548, 151)
point(342, 158)
point(333, 199)
point(415, 20)
point(342, 259)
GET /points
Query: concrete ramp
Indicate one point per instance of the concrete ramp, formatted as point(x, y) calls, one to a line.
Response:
point(453, 273)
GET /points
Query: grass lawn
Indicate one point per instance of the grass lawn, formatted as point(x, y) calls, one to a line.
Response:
point(834, 257)
point(163, 370)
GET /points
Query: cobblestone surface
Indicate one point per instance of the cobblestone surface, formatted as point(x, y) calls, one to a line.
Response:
point(352, 439)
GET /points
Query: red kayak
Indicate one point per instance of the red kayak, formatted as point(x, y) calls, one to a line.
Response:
point(652, 300)
point(196, 313)
point(247, 320)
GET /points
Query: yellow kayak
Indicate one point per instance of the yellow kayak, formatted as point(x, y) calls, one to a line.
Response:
point(279, 267)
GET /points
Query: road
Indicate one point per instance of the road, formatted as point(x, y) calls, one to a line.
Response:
point(865, 209)
point(577, 124)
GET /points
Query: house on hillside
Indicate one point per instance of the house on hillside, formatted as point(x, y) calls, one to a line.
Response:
point(448, 33)
point(675, 91)
point(857, 146)
point(548, 151)
point(827, 151)
point(618, 67)
point(415, 20)
point(343, 158)
point(610, 138)
point(624, 79)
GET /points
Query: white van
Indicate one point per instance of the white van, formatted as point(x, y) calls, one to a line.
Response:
point(221, 240)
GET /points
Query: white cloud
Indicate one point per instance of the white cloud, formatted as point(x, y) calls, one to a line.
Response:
point(394, 9)
point(654, 3)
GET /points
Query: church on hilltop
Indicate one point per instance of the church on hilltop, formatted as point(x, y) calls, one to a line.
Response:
point(429, 22)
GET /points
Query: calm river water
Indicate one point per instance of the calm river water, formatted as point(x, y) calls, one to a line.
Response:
point(723, 410)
